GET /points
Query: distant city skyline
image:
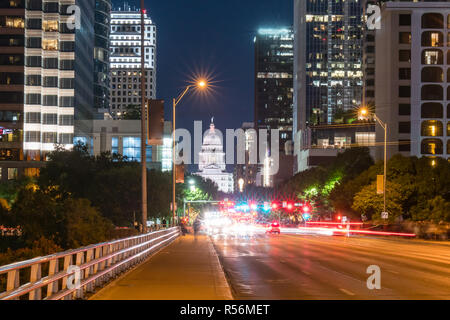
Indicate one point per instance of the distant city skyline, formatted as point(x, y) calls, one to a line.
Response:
point(230, 61)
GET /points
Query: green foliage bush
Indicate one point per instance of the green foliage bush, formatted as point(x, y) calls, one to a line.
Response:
point(416, 190)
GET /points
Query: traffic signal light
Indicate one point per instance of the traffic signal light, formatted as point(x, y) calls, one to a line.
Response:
point(306, 208)
point(339, 218)
point(274, 206)
point(290, 206)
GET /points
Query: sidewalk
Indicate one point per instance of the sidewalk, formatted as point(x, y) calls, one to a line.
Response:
point(188, 269)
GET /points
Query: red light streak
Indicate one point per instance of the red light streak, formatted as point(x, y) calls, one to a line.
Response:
point(361, 231)
point(340, 223)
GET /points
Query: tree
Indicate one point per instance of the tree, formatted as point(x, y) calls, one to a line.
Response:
point(83, 224)
point(324, 186)
point(369, 203)
point(68, 222)
point(39, 215)
point(436, 210)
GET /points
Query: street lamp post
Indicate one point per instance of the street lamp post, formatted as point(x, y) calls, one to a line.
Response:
point(200, 84)
point(364, 113)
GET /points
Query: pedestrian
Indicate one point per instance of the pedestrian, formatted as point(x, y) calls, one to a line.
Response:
point(164, 222)
point(196, 226)
point(183, 228)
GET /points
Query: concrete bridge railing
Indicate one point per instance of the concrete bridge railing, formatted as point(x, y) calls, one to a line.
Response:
point(71, 274)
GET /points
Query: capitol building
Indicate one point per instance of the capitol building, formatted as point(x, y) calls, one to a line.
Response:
point(212, 161)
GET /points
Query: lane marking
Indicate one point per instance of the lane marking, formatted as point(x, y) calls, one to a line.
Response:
point(347, 292)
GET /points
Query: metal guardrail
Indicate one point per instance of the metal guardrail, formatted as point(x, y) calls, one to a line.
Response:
point(94, 266)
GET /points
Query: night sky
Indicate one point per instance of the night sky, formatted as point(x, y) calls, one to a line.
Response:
point(216, 37)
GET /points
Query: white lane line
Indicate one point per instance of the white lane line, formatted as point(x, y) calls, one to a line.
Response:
point(347, 292)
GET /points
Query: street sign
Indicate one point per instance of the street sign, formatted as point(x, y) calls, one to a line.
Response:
point(171, 206)
point(384, 215)
point(344, 219)
point(284, 204)
point(380, 184)
point(179, 173)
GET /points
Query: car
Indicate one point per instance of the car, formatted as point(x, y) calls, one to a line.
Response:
point(274, 227)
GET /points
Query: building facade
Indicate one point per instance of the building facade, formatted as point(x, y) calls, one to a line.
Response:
point(12, 86)
point(47, 77)
point(245, 174)
point(125, 60)
point(412, 93)
point(123, 137)
point(274, 58)
point(328, 79)
point(212, 164)
point(101, 55)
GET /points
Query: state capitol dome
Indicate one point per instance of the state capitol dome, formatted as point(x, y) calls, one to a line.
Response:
point(212, 164)
point(211, 137)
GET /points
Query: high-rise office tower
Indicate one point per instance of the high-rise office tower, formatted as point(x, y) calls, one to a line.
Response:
point(245, 173)
point(101, 55)
point(274, 58)
point(328, 78)
point(412, 96)
point(46, 79)
point(12, 85)
point(125, 60)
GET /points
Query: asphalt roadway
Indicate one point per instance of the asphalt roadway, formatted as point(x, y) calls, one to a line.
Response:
point(309, 267)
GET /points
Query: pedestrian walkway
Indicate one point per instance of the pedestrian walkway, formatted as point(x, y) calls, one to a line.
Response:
point(188, 269)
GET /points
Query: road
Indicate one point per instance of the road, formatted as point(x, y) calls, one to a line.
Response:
point(320, 267)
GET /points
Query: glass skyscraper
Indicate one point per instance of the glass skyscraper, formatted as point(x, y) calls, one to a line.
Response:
point(101, 55)
point(274, 58)
point(328, 74)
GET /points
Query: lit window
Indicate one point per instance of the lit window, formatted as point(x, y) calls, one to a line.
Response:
point(50, 25)
point(50, 44)
point(12, 173)
point(115, 145)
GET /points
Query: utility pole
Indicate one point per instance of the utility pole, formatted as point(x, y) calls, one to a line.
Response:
point(143, 123)
point(174, 166)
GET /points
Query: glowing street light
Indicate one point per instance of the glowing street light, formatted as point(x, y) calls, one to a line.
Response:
point(364, 113)
point(200, 84)
point(192, 185)
point(241, 185)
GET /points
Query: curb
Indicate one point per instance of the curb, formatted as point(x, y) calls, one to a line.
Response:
point(222, 284)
